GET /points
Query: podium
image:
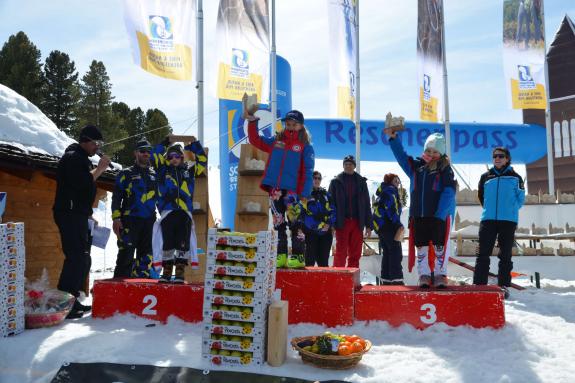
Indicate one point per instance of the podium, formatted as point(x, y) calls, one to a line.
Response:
point(475, 306)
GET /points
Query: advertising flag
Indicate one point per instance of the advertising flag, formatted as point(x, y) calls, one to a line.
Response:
point(430, 59)
point(343, 52)
point(524, 53)
point(163, 36)
point(243, 45)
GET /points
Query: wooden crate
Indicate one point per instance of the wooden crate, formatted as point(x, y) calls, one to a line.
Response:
point(247, 152)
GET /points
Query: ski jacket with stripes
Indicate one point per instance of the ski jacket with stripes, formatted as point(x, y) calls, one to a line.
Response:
point(432, 192)
point(318, 211)
point(290, 162)
point(386, 209)
point(176, 184)
point(135, 193)
point(501, 193)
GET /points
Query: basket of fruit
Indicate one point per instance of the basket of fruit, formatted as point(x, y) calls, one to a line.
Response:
point(332, 351)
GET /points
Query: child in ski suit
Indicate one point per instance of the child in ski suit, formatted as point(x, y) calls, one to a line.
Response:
point(386, 222)
point(432, 205)
point(287, 178)
point(174, 233)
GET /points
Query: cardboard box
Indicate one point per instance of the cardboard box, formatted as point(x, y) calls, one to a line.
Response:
point(254, 332)
point(260, 274)
point(261, 239)
point(242, 316)
point(258, 288)
point(12, 327)
point(248, 255)
point(242, 345)
point(257, 305)
point(215, 361)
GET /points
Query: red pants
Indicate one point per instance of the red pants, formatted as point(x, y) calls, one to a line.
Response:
point(348, 247)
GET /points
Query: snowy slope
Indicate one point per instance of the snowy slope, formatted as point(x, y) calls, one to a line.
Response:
point(23, 125)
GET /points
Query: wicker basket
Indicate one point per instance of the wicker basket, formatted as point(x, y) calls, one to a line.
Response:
point(334, 362)
point(39, 320)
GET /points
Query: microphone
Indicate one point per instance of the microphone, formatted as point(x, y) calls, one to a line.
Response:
point(99, 152)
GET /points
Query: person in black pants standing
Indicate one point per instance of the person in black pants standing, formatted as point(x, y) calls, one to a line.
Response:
point(134, 214)
point(318, 214)
point(75, 194)
point(501, 193)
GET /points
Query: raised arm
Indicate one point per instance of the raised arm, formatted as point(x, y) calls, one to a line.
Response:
point(262, 143)
point(201, 157)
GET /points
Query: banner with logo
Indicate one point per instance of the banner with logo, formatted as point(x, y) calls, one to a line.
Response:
point(243, 46)
point(430, 59)
point(234, 133)
point(524, 53)
point(163, 36)
point(343, 52)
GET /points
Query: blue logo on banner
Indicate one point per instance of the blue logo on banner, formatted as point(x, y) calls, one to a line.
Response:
point(426, 87)
point(240, 63)
point(161, 27)
point(525, 78)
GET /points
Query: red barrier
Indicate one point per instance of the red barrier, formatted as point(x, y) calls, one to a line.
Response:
point(322, 295)
point(148, 299)
point(476, 306)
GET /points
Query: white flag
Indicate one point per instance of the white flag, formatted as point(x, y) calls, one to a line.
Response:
point(243, 49)
point(343, 52)
point(163, 36)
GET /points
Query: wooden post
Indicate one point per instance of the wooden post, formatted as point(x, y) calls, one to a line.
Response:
point(277, 333)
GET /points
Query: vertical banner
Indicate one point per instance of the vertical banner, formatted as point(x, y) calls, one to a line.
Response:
point(243, 45)
point(430, 59)
point(234, 133)
point(343, 52)
point(163, 36)
point(524, 53)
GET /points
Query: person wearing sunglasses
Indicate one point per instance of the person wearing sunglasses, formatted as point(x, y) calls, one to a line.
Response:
point(75, 194)
point(174, 238)
point(501, 192)
point(432, 201)
point(318, 214)
point(134, 214)
point(387, 225)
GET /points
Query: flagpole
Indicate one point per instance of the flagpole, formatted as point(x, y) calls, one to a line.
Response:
point(273, 102)
point(445, 88)
point(357, 98)
point(200, 69)
point(550, 169)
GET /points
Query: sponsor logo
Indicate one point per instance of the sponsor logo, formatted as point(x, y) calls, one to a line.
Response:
point(426, 87)
point(525, 79)
point(240, 63)
point(161, 33)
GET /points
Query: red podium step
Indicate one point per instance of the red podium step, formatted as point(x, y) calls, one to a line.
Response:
point(148, 299)
point(322, 295)
point(476, 306)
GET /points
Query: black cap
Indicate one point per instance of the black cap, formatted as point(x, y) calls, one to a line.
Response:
point(143, 144)
point(294, 115)
point(175, 148)
point(90, 133)
point(349, 158)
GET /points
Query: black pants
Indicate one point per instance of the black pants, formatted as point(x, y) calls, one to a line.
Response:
point(176, 230)
point(297, 243)
point(489, 231)
point(428, 229)
point(317, 248)
point(136, 237)
point(391, 258)
point(75, 238)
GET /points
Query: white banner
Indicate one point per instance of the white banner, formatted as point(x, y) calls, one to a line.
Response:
point(524, 53)
point(163, 36)
point(243, 45)
point(343, 52)
point(430, 59)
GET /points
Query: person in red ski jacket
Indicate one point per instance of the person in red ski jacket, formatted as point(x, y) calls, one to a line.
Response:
point(287, 179)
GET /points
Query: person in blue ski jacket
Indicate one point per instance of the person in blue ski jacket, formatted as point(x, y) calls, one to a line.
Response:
point(287, 179)
point(387, 224)
point(432, 201)
point(134, 214)
point(176, 180)
point(318, 216)
point(501, 192)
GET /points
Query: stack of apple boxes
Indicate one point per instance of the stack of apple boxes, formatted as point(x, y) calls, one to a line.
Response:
point(239, 284)
point(11, 278)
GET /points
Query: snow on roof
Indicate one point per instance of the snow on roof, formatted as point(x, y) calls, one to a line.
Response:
point(23, 125)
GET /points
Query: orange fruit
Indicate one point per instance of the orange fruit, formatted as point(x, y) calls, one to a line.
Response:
point(345, 343)
point(352, 338)
point(362, 341)
point(356, 347)
point(343, 350)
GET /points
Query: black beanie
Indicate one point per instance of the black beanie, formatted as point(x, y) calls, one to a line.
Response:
point(90, 133)
point(175, 148)
point(349, 158)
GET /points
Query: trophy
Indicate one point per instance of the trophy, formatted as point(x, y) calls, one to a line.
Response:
point(394, 124)
point(250, 104)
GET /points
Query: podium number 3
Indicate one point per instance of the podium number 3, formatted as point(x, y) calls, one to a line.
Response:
point(430, 316)
point(152, 301)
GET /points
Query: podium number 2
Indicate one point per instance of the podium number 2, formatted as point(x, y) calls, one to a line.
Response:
point(430, 316)
point(152, 301)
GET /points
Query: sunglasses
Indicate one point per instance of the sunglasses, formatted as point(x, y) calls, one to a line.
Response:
point(144, 151)
point(499, 156)
point(171, 156)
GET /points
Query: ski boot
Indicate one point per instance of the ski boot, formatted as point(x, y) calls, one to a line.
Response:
point(424, 281)
point(167, 271)
point(296, 261)
point(441, 281)
point(281, 260)
point(180, 271)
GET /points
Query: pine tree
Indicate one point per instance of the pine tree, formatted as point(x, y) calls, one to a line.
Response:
point(95, 107)
point(155, 119)
point(61, 91)
point(20, 67)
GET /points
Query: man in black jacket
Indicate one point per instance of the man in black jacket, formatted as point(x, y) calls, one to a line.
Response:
point(353, 214)
point(75, 194)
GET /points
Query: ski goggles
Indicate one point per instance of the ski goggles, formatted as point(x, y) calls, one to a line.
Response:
point(171, 156)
